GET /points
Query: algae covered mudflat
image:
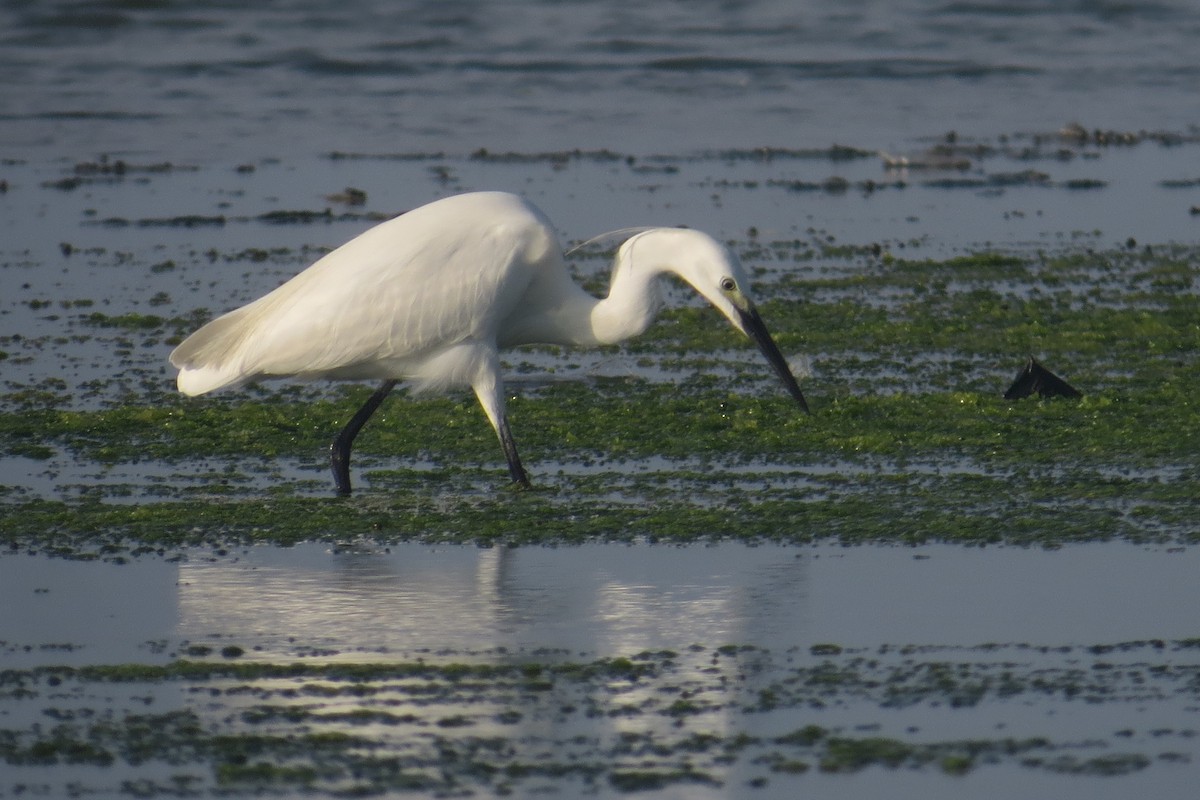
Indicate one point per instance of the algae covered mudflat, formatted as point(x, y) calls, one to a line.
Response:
point(678, 435)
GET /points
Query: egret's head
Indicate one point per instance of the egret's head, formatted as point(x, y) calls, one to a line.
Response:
point(715, 272)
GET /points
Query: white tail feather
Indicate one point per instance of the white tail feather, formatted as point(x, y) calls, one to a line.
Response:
point(206, 379)
point(209, 359)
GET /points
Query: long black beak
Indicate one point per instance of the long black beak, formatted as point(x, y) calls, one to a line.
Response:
point(757, 330)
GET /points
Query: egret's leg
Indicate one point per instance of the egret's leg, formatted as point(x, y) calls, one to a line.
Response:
point(510, 452)
point(339, 450)
point(490, 391)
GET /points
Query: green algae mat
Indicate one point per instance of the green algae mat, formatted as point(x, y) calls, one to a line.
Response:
point(905, 361)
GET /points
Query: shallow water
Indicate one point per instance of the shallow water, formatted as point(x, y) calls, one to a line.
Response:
point(227, 80)
point(729, 622)
point(395, 602)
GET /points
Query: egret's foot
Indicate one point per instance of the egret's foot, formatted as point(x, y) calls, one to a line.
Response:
point(520, 478)
point(339, 460)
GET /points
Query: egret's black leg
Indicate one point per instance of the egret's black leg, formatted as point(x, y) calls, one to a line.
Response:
point(339, 450)
point(510, 452)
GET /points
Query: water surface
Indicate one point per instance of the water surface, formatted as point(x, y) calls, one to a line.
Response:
point(228, 80)
point(392, 603)
point(922, 645)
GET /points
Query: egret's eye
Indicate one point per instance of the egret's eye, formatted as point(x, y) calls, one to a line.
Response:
point(728, 285)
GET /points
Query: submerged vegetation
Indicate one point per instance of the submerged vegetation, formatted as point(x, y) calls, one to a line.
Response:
point(910, 441)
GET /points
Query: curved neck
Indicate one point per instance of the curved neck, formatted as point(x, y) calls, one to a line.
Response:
point(634, 297)
point(557, 310)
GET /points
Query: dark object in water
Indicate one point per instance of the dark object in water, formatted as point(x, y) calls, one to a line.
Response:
point(1036, 378)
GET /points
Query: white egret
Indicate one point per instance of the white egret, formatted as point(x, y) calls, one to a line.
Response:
point(432, 295)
